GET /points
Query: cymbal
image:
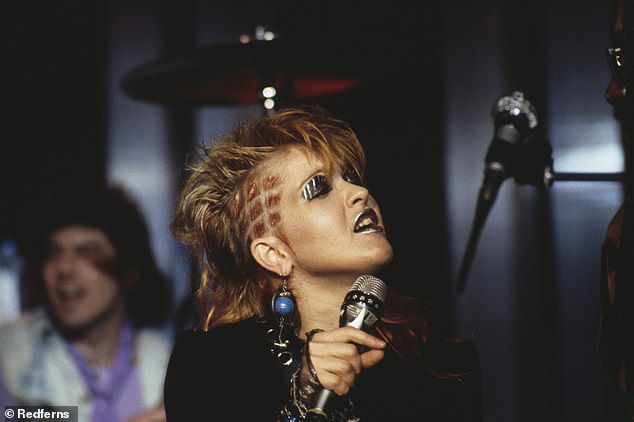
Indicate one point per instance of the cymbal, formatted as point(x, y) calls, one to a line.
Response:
point(300, 68)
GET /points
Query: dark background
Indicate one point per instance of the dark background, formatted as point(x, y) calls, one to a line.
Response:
point(55, 109)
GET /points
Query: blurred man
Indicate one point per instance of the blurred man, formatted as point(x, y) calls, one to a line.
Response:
point(97, 295)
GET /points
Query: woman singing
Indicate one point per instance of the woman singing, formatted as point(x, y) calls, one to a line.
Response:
point(282, 226)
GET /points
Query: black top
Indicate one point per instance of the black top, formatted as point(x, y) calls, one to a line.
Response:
point(230, 374)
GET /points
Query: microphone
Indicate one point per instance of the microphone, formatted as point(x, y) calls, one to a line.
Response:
point(362, 308)
point(514, 117)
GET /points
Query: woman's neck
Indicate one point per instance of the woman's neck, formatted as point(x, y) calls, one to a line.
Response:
point(319, 303)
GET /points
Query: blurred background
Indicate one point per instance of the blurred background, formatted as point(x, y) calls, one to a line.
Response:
point(426, 75)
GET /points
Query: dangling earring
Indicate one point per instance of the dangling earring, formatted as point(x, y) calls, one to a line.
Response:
point(284, 309)
point(284, 304)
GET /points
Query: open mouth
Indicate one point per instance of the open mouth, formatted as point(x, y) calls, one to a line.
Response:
point(69, 292)
point(367, 221)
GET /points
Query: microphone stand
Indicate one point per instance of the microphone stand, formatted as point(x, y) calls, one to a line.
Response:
point(588, 177)
point(485, 203)
point(528, 163)
point(484, 206)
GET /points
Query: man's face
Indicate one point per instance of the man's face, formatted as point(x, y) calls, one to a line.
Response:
point(79, 276)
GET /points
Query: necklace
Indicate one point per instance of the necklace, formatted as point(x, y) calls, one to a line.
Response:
point(287, 349)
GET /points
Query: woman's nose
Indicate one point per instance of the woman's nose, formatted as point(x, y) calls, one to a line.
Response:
point(358, 194)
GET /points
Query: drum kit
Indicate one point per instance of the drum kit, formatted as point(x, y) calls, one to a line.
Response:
point(264, 67)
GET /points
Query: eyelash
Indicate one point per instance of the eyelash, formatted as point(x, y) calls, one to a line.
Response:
point(316, 187)
point(351, 176)
point(319, 186)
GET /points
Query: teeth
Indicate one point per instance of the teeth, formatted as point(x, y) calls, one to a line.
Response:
point(365, 221)
point(68, 290)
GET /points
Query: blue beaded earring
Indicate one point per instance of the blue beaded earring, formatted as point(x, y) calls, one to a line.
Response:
point(284, 304)
point(284, 309)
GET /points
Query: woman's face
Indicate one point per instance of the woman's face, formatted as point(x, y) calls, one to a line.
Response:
point(331, 223)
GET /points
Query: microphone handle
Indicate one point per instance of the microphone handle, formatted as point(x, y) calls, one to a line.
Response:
point(318, 413)
point(494, 175)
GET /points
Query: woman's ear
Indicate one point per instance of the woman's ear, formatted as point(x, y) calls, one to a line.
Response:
point(272, 254)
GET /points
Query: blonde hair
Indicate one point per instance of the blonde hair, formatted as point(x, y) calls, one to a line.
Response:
point(207, 216)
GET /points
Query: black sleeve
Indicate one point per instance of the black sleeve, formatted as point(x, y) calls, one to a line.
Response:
point(191, 392)
point(465, 399)
point(226, 374)
point(396, 391)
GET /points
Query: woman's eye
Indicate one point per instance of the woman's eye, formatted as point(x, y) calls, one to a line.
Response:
point(351, 176)
point(316, 187)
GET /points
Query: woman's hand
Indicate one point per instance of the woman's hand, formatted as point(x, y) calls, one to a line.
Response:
point(336, 358)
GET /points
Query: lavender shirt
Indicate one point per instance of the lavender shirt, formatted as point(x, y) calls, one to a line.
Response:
point(115, 390)
point(5, 397)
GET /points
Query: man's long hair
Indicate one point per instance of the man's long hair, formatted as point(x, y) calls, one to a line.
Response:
point(111, 210)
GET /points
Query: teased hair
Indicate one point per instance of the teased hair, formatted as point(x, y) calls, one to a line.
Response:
point(231, 281)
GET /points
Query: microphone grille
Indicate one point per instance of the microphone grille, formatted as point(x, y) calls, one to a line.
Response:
point(515, 109)
point(371, 285)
